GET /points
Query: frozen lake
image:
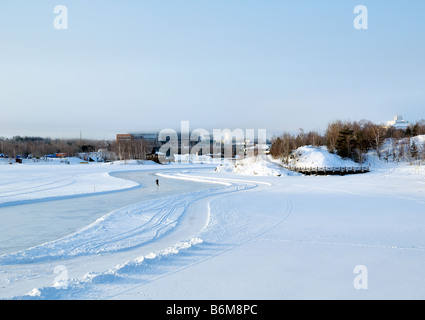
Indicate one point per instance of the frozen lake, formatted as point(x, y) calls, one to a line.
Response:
point(250, 237)
point(31, 224)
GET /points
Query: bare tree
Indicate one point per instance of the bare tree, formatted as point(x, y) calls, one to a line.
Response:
point(376, 135)
point(332, 134)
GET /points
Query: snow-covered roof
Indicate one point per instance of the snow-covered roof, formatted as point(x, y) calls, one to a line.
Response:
point(399, 123)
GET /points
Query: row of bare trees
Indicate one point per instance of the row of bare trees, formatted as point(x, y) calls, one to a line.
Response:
point(128, 150)
point(349, 140)
point(283, 146)
point(37, 147)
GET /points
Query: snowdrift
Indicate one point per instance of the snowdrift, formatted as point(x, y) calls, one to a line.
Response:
point(309, 156)
point(259, 165)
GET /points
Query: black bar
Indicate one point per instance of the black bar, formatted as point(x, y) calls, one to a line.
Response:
point(203, 309)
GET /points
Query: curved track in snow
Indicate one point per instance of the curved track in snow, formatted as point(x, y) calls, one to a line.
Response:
point(145, 235)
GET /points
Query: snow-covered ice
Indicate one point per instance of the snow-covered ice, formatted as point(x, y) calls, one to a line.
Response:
point(253, 234)
point(53, 179)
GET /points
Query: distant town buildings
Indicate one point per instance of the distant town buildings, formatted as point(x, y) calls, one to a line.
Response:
point(151, 138)
point(206, 147)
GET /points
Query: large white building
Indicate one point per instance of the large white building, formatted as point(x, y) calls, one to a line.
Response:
point(399, 123)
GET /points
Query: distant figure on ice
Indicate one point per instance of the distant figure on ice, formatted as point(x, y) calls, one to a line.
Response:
point(157, 182)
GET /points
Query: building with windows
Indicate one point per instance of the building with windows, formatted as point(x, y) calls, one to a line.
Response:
point(125, 137)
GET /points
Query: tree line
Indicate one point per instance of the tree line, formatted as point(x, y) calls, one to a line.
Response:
point(346, 138)
point(353, 140)
point(38, 147)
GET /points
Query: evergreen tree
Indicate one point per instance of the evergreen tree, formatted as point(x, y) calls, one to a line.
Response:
point(414, 152)
point(415, 130)
point(408, 132)
point(362, 145)
point(345, 143)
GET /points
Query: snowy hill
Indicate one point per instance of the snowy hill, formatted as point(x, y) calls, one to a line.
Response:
point(309, 156)
point(394, 150)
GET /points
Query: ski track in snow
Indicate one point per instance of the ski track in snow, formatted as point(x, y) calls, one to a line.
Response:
point(346, 244)
point(133, 226)
point(17, 188)
point(17, 191)
point(137, 245)
point(199, 257)
point(121, 229)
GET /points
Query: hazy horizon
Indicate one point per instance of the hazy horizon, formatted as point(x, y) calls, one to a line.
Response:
point(277, 65)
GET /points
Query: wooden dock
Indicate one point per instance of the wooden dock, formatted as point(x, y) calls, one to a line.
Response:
point(329, 171)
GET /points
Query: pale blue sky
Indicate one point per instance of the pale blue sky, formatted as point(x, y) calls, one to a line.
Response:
point(146, 65)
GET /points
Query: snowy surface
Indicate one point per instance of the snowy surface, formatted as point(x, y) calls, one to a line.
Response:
point(38, 180)
point(245, 235)
point(255, 166)
point(309, 156)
